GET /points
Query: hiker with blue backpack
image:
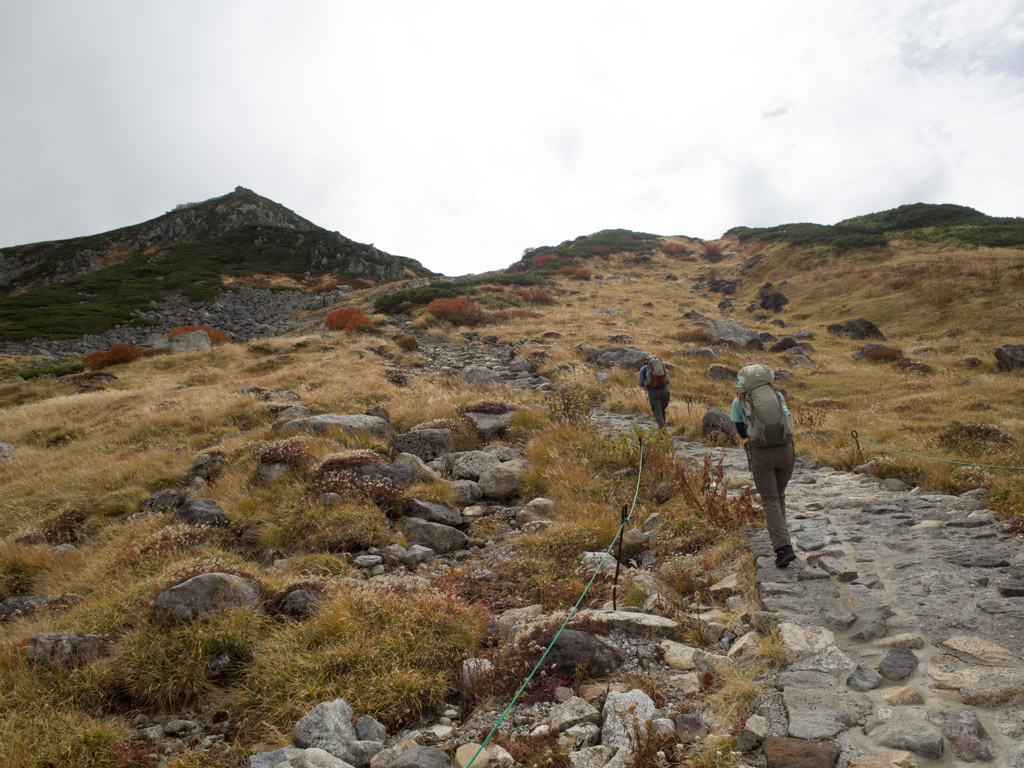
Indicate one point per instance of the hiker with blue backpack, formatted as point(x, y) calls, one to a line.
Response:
point(654, 377)
point(761, 417)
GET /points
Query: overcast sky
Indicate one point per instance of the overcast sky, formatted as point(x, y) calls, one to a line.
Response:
point(461, 132)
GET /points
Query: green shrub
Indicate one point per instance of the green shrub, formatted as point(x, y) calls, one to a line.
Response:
point(51, 370)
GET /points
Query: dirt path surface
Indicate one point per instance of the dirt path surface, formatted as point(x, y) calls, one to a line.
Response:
point(906, 610)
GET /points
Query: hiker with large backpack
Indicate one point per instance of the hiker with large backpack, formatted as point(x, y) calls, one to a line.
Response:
point(760, 414)
point(654, 377)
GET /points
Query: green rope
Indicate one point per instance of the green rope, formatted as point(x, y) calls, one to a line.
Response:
point(572, 612)
point(907, 453)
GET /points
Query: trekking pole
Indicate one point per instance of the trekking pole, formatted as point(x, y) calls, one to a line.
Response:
point(855, 436)
point(618, 558)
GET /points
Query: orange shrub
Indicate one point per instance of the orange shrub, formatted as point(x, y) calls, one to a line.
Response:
point(347, 319)
point(119, 353)
point(457, 311)
point(543, 260)
point(674, 248)
point(216, 337)
point(536, 296)
point(712, 251)
point(580, 274)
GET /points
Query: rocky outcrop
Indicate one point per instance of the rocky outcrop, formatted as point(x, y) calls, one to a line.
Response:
point(858, 328)
point(1010, 357)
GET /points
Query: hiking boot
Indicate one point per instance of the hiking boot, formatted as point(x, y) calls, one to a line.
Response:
point(784, 556)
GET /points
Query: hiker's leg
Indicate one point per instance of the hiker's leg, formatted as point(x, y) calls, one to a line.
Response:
point(664, 407)
point(783, 472)
point(654, 398)
point(763, 467)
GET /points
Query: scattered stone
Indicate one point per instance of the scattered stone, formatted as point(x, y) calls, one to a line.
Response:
point(427, 444)
point(817, 710)
point(328, 726)
point(864, 678)
point(732, 334)
point(965, 732)
point(421, 757)
point(904, 696)
point(204, 595)
point(66, 649)
point(617, 357)
point(435, 536)
point(433, 512)
point(977, 560)
point(272, 759)
point(898, 664)
point(782, 752)
point(716, 425)
point(976, 647)
point(575, 711)
point(803, 641)
point(350, 423)
point(1010, 357)
point(591, 757)
point(678, 656)
point(505, 480)
point(872, 630)
point(906, 640)
point(920, 741)
point(201, 512)
point(314, 758)
point(491, 425)
point(858, 328)
point(584, 650)
point(6, 452)
point(625, 718)
point(887, 759)
point(166, 500)
point(753, 734)
point(643, 624)
point(839, 621)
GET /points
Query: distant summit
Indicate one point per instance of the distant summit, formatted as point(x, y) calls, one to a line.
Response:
point(47, 263)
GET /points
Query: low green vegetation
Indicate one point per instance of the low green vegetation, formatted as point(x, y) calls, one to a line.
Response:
point(419, 297)
point(600, 244)
point(922, 222)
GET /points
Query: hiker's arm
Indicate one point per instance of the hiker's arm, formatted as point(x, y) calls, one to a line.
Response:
point(643, 376)
point(738, 418)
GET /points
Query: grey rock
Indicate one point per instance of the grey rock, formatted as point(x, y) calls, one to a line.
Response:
point(476, 375)
point(23, 605)
point(817, 710)
point(1010, 357)
point(417, 554)
point(491, 425)
point(575, 711)
point(839, 621)
point(969, 739)
point(421, 757)
point(428, 444)
point(898, 664)
point(919, 740)
point(315, 758)
point(195, 341)
point(271, 472)
point(591, 757)
point(350, 423)
point(435, 536)
point(634, 542)
point(717, 425)
point(858, 328)
point(575, 649)
point(733, 334)
point(505, 480)
point(625, 718)
point(370, 729)
point(617, 357)
point(166, 500)
point(872, 630)
point(977, 560)
point(300, 603)
point(433, 512)
point(691, 727)
point(328, 726)
point(469, 465)
point(206, 466)
point(876, 350)
point(204, 595)
point(272, 759)
point(66, 649)
point(753, 734)
point(6, 452)
point(465, 492)
point(864, 677)
point(201, 512)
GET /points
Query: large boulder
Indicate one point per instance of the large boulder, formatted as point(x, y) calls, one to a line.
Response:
point(771, 299)
point(65, 649)
point(626, 718)
point(433, 512)
point(163, 501)
point(417, 465)
point(490, 425)
point(858, 328)
point(196, 341)
point(469, 465)
point(577, 649)
point(428, 444)
point(352, 423)
point(505, 480)
point(329, 727)
point(201, 512)
point(477, 375)
point(436, 536)
point(617, 357)
point(733, 334)
point(204, 595)
point(1010, 356)
point(718, 426)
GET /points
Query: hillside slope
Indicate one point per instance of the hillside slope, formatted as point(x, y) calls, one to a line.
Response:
point(87, 285)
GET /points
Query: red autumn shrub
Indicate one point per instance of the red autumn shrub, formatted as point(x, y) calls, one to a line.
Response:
point(347, 319)
point(542, 260)
point(119, 353)
point(536, 296)
point(457, 311)
point(216, 337)
point(712, 251)
point(580, 274)
point(674, 248)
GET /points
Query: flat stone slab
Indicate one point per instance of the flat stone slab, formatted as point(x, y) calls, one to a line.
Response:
point(644, 624)
point(976, 647)
point(817, 709)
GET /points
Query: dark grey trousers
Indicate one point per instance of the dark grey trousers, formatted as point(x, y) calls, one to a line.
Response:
point(772, 468)
point(658, 399)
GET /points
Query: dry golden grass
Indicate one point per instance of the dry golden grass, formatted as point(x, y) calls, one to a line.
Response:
point(83, 463)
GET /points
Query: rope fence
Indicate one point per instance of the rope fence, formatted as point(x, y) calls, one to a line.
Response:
point(625, 519)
